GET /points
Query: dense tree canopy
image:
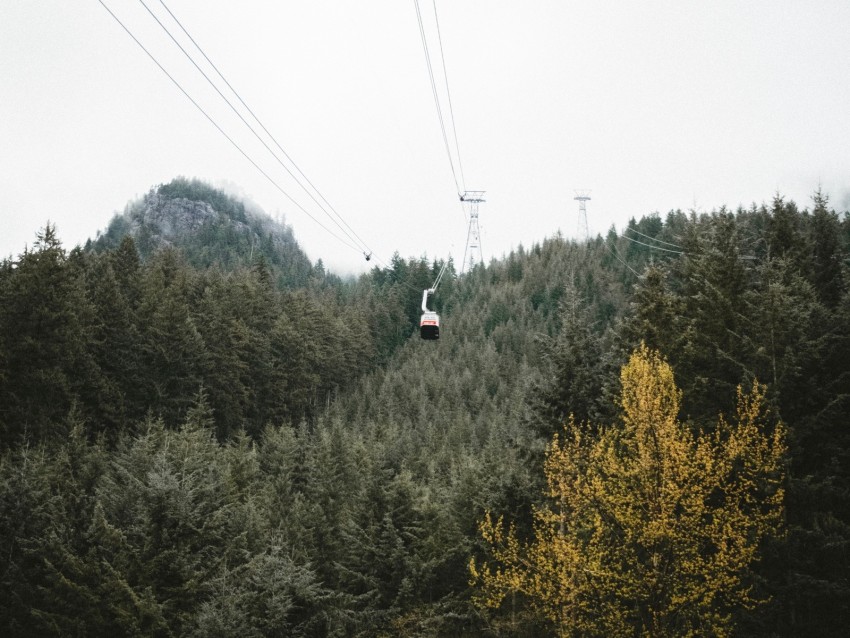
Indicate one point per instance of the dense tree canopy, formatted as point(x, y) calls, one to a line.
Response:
point(648, 528)
point(201, 431)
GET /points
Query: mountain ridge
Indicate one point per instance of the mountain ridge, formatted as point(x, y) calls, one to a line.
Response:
point(210, 227)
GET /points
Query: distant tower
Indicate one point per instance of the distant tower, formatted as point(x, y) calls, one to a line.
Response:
point(583, 196)
point(473, 236)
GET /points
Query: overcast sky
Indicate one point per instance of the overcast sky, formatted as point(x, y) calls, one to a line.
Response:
point(651, 105)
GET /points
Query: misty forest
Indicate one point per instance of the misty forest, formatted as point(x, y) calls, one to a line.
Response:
point(203, 433)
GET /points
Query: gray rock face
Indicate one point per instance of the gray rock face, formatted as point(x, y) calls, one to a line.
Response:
point(210, 228)
point(174, 217)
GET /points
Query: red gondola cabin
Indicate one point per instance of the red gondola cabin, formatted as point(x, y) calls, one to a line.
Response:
point(429, 325)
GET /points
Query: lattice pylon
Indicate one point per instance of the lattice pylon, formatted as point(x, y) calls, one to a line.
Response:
point(473, 236)
point(582, 196)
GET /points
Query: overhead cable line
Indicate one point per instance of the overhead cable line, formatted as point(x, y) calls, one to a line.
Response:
point(617, 257)
point(677, 252)
point(365, 248)
point(448, 94)
point(220, 130)
point(460, 190)
point(257, 119)
point(402, 282)
point(440, 276)
point(660, 241)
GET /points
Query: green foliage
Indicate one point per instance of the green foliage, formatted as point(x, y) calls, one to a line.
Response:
point(44, 315)
point(647, 529)
point(210, 228)
point(827, 272)
point(200, 429)
point(576, 370)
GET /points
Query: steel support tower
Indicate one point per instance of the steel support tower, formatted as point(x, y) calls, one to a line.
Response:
point(582, 196)
point(471, 199)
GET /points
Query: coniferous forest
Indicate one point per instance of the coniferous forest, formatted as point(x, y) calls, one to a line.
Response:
point(202, 433)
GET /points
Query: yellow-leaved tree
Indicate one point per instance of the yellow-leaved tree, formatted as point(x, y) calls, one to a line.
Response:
point(650, 529)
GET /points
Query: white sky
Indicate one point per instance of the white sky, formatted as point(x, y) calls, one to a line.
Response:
point(652, 105)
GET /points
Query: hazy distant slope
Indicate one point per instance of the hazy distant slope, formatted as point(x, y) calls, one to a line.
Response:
point(210, 227)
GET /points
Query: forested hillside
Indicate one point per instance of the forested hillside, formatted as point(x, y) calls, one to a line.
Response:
point(210, 228)
point(200, 438)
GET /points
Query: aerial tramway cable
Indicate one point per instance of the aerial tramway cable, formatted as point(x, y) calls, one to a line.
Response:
point(458, 185)
point(220, 130)
point(666, 250)
point(368, 253)
point(660, 241)
point(430, 323)
point(449, 97)
point(440, 276)
point(675, 252)
point(352, 236)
